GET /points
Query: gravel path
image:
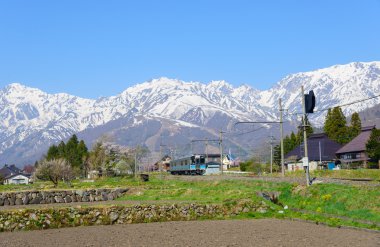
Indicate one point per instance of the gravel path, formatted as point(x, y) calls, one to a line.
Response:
point(263, 232)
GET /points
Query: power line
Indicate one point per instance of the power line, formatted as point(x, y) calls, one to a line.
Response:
point(351, 103)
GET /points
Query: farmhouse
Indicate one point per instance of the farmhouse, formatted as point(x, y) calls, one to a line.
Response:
point(354, 152)
point(13, 175)
point(321, 153)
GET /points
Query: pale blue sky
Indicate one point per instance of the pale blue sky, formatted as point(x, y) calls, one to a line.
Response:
point(99, 48)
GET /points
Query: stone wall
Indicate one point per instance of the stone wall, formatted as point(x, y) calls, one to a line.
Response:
point(59, 196)
point(31, 219)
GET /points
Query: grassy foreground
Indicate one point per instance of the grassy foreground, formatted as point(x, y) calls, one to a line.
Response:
point(332, 204)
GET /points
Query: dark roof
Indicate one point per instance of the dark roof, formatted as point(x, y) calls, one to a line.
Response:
point(358, 143)
point(328, 148)
point(9, 170)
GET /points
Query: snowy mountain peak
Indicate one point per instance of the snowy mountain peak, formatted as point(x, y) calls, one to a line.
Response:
point(30, 119)
point(221, 86)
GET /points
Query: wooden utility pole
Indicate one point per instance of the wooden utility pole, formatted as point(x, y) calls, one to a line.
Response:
point(135, 163)
point(271, 154)
point(206, 149)
point(221, 150)
point(282, 140)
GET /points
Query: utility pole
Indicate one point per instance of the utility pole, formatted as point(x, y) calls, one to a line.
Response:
point(135, 163)
point(282, 140)
point(306, 158)
point(271, 154)
point(221, 149)
point(206, 149)
point(160, 162)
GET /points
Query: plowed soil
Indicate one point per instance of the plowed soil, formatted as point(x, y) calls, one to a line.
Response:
point(264, 232)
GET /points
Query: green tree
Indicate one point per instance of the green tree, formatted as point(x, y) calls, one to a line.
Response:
point(335, 126)
point(72, 155)
point(293, 139)
point(277, 155)
point(373, 145)
point(356, 126)
point(61, 149)
point(97, 157)
point(287, 144)
point(53, 153)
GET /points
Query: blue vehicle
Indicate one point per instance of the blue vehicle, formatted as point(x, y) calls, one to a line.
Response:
point(193, 165)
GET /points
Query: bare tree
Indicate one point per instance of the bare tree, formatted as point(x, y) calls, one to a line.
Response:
point(54, 170)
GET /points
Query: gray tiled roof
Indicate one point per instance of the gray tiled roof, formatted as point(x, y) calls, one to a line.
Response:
point(358, 143)
point(328, 148)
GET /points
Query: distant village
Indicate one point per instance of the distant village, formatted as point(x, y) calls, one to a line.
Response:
point(339, 147)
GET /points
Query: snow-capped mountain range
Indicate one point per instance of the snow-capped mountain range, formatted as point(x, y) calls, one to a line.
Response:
point(31, 120)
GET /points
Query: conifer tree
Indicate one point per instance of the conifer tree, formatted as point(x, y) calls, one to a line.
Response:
point(335, 126)
point(53, 153)
point(373, 145)
point(72, 155)
point(293, 139)
point(356, 125)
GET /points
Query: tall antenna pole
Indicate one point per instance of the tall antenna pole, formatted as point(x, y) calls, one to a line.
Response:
point(282, 140)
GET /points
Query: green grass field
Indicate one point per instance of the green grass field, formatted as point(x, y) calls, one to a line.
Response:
point(333, 204)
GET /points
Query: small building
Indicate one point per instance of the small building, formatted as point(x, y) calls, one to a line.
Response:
point(17, 179)
point(11, 174)
point(354, 152)
point(212, 168)
point(321, 153)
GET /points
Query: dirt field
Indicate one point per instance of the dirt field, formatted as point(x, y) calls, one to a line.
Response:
point(265, 232)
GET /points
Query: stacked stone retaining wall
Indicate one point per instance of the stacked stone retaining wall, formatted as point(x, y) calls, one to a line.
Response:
point(30, 219)
point(59, 196)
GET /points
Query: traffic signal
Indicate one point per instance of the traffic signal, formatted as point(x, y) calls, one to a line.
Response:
point(309, 102)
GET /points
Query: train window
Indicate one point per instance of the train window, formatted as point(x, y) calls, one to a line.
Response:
point(202, 160)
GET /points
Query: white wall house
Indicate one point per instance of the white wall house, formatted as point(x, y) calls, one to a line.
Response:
point(16, 179)
point(313, 165)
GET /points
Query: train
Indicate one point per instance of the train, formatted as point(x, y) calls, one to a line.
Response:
point(192, 165)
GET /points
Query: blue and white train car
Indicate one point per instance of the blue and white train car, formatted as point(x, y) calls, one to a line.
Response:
point(193, 165)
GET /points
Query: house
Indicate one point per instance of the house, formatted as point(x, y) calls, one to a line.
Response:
point(8, 170)
point(321, 153)
point(17, 179)
point(13, 175)
point(354, 152)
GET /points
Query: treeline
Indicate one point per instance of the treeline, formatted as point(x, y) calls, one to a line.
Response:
point(66, 161)
point(74, 152)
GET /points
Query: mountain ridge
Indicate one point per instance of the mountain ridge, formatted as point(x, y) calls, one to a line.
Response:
point(29, 116)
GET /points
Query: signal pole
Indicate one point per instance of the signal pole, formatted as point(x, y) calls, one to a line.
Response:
point(305, 137)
